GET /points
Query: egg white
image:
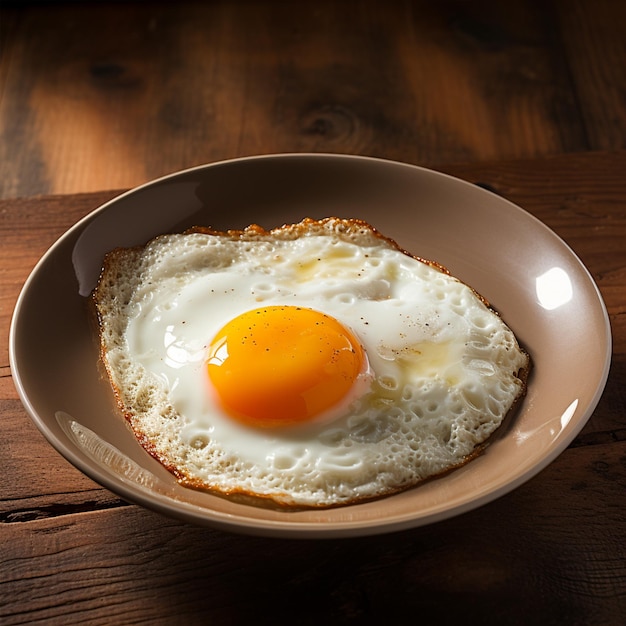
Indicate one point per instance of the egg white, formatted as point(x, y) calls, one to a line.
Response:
point(443, 367)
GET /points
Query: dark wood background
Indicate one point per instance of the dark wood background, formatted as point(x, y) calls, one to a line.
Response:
point(105, 95)
point(527, 97)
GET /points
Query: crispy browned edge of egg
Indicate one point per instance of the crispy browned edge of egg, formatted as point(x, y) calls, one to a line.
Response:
point(293, 231)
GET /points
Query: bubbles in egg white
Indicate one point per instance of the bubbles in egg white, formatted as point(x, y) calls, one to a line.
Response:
point(443, 365)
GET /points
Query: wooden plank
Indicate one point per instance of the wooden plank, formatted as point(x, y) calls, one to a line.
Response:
point(594, 40)
point(28, 227)
point(552, 552)
point(132, 95)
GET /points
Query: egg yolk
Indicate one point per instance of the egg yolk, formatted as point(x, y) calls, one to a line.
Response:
point(283, 365)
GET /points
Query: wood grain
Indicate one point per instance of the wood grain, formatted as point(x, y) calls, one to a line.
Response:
point(93, 97)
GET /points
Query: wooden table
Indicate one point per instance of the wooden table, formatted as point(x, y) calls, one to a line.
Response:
point(551, 552)
point(523, 96)
point(95, 96)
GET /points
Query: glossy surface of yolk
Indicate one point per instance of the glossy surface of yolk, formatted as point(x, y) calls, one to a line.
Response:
point(283, 365)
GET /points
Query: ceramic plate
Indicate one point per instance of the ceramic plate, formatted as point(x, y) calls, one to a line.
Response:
point(529, 274)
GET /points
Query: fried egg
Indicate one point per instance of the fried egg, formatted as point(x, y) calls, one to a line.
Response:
point(313, 365)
